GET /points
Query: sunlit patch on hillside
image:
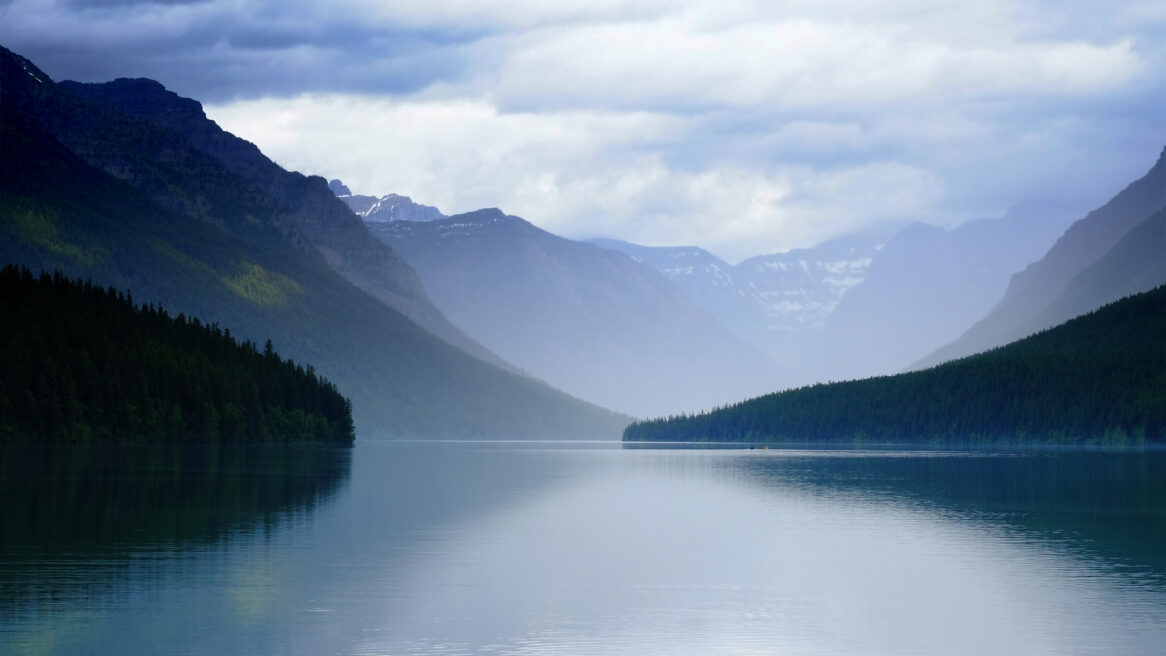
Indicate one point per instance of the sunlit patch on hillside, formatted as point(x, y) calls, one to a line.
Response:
point(40, 228)
point(263, 287)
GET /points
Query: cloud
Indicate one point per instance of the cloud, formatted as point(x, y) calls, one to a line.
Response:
point(743, 125)
point(580, 174)
point(791, 65)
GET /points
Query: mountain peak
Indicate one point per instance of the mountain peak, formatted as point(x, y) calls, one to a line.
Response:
point(484, 214)
point(141, 97)
point(13, 61)
point(339, 188)
point(390, 207)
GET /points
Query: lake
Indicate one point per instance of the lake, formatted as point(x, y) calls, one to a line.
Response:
point(546, 548)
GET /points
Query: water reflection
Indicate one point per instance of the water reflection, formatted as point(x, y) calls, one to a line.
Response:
point(1109, 504)
point(552, 549)
point(84, 527)
point(718, 552)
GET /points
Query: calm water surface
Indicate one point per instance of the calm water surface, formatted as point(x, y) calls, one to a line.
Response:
point(414, 548)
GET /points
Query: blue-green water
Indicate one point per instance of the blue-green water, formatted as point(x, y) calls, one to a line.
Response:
point(414, 548)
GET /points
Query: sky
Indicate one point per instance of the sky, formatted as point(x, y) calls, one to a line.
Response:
point(743, 127)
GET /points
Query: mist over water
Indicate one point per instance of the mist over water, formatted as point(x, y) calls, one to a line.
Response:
point(458, 548)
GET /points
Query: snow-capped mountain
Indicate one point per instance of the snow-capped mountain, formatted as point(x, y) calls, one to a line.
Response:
point(716, 286)
point(864, 304)
point(777, 302)
point(800, 288)
point(386, 208)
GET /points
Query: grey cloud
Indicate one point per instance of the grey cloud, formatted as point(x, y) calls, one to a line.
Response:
point(107, 4)
point(1035, 143)
point(215, 54)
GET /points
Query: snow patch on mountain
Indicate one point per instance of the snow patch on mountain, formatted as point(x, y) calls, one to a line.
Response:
point(391, 207)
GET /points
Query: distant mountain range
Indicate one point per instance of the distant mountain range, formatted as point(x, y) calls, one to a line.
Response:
point(859, 305)
point(1115, 250)
point(590, 321)
point(768, 297)
point(854, 306)
point(131, 186)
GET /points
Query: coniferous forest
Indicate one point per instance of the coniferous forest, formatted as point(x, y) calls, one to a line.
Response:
point(85, 364)
point(1098, 379)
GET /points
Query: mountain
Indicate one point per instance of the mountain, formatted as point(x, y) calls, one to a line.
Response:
point(924, 288)
point(100, 193)
point(862, 304)
point(1136, 263)
point(1098, 378)
point(302, 208)
point(713, 284)
point(590, 321)
point(778, 302)
point(386, 208)
point(1024, 307)
point(802, 287)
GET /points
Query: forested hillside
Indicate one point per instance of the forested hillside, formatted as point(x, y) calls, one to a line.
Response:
point(1100, 378)
point(130, 204)
point(84, 364)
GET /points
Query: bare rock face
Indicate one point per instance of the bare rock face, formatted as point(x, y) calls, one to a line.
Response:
point(391, 207)
point(337, 187)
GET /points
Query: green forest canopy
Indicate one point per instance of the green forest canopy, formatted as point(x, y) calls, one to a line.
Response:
point(83, 364)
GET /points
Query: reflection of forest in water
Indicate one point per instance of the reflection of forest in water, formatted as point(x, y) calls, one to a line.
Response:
point(89, 512)
point(1103, 504)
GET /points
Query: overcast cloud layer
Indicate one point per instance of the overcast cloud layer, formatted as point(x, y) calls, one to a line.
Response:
point(744, 127)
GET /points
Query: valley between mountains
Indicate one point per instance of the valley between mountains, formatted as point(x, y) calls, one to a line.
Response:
point(484, 325)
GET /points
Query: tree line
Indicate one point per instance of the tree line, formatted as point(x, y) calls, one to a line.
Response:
point(1098, 379)
point(84, 364)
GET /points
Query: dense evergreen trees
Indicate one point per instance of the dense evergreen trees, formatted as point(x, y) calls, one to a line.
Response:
point(1100, 378)
point(81, 364)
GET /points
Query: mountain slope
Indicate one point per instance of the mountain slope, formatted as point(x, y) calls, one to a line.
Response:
point(1098, 378)
point(1085, 242)
point(778, 302)
point(178, 228)
point(303, 207)
point(587, 320)
point(924, 288)
point(863, 304)
point(708, 280)
point(1135, 264)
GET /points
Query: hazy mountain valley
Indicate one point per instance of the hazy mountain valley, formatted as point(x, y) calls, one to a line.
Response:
point(677, 329)
point(646, 331)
